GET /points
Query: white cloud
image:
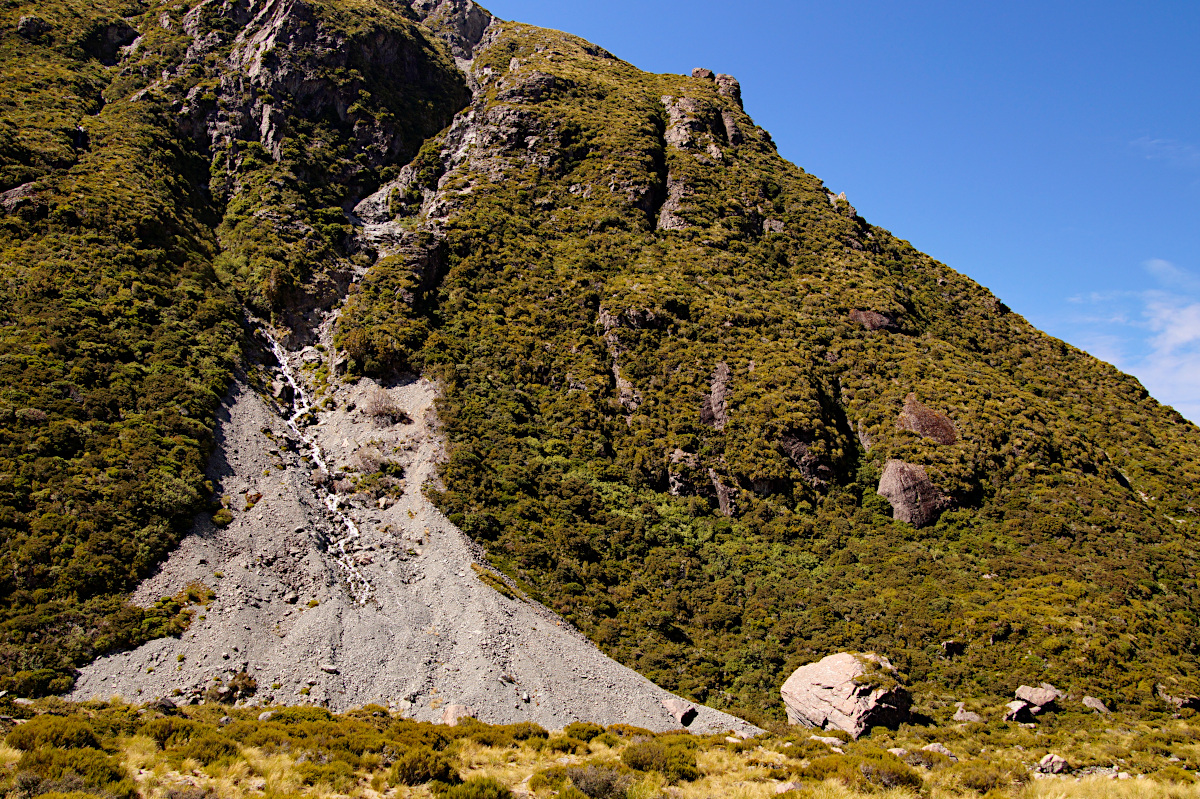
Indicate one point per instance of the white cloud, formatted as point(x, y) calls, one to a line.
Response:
point(1152, 334)
point(1172, 152)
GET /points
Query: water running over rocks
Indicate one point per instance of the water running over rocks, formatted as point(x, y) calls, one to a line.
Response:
point(302, 406)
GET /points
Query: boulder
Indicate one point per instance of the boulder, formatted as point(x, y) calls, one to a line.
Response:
point(266, 715)
point(1040, 697)
point(163, 705)
point(914, 498)
point(848, 692)
point(1018, 711)
point(453, 713)
point(1092, 703)
point(1052, 764)
point(31, 27)
point(940, 749)
point(964, 715)
point(684, 712)
point(703, 74)
point(827, 740)
point(926, 422)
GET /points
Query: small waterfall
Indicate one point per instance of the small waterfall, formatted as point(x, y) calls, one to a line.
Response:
point(359, 585)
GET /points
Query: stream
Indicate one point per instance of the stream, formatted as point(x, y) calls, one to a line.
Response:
point(359, 585)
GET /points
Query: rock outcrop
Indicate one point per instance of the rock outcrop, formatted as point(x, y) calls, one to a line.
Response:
point(914, 497)
point(848, 692)
point(873, 320)
point(714, 410)
point(926, 422)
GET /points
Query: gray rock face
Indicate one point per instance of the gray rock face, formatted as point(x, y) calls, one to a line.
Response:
point(828, 695)
point(714, 411)
point(728, 86)
point(1092, 703)
point(926, 422)
point(915, 499)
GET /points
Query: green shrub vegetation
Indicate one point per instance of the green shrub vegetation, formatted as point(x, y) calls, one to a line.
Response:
point(577, 345)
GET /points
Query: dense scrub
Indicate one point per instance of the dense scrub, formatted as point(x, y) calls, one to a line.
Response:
point(123, 751)
point(715, 545)
point(139, 214)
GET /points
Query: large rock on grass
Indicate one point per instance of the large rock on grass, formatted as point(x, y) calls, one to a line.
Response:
point(848, 692)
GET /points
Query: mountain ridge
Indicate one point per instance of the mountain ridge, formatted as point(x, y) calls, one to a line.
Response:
point(675, 367)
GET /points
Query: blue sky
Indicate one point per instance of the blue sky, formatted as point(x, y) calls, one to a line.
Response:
point(1049, 150)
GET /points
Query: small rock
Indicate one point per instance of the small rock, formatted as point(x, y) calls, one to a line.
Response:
point(1124, 775)
point(328, 668)
point(292, 598)
point(452, 714)
point(964, 715)
point(1095, 704)
point(1052, 764)
point(729, 739)
point(940, 749)
point(827, 740)
point(898, 752)
point(23, 702)
point(1018, 711)
point(266, 716)
point(684, 712)
point(224, 721)
point(524, 696)
point(784, 787)
point(224, 656)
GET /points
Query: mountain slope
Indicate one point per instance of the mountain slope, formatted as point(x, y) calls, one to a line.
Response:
point(677, 370)
point(678, 376)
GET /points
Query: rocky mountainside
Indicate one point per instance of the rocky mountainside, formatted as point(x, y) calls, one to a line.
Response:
point(691, 400)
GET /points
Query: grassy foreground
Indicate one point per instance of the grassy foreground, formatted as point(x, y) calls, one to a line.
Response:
point(124, 751)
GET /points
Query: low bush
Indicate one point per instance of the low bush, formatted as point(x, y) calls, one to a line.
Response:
point(53, 731)
point(89, 769)
point(420, 765)
point(601, 782)
point(675, 762)
point(208, 747)
point(552, 778)
point(583, 730)
point(474, 788)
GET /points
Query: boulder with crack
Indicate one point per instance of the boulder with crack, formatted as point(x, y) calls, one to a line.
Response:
point(848, 692)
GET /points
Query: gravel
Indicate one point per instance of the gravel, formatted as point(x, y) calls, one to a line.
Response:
point(289, 613)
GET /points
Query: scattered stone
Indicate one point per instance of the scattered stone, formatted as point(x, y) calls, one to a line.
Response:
point(926, 422)
point(1092, 703)
point(784, 787)
point(833, 694)
point(827, 740)
point(729, 739)
point(914, 498)
point(1018, 711)
point(328, 668)
point(940, 749)
point(898, 752)
point(224, 721)
point(452, 714)
point(23, 702)
point(266, 716)
point(1052, 764)
point(684, 712)
point(163, 705)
